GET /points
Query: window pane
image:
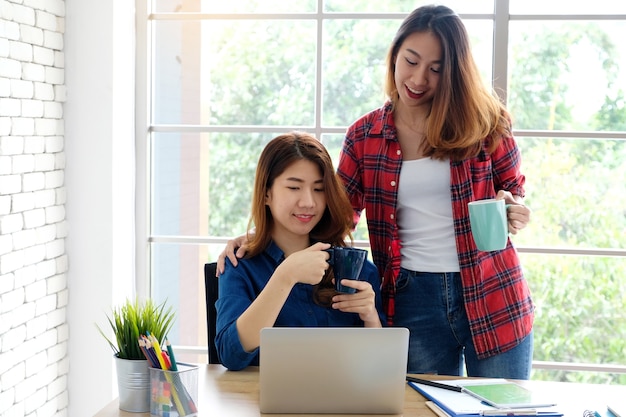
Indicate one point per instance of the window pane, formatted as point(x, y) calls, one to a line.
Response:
point(481, 38)
point(538, 7)
point(179, 168)
point(567, 75)
point(232, 168)
point(333, 145)
point(203, 182)
point(575, 188)
point(576, 319)
point(235, 6)
point(235, 72)
point(459, 6)
point(353, 67)
point(178, 277)
point(354, 64)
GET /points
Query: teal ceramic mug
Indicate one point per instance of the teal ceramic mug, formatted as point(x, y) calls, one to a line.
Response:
point(489, 224)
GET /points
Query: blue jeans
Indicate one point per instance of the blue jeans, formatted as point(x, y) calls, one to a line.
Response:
point(431, 306)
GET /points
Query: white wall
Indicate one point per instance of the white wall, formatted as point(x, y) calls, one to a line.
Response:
point(99, 134)
point(66, 199)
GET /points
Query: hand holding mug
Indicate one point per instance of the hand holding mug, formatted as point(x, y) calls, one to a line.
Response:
point(362, 302)
point(518, 214)
point(307, 266)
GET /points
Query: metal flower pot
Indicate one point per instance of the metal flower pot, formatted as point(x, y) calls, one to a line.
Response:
point(133, 382)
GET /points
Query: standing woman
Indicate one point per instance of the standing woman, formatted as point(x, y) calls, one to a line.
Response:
point(440, 141)
point(299, 209)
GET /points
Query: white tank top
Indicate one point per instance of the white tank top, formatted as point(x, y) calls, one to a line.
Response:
point(425, 217)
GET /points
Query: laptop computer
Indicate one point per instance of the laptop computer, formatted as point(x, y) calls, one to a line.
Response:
point(333, 370)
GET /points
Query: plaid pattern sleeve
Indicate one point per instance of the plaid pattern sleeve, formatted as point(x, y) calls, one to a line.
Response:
point(497, 297)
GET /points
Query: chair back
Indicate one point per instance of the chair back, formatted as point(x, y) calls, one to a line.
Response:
point(211, 290)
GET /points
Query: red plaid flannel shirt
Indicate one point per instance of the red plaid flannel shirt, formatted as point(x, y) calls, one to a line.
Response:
point(497, 298)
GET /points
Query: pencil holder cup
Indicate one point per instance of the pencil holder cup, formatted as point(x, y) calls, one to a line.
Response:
point(174, 393)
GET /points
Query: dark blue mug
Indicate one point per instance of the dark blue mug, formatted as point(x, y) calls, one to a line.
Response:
point(347, 264)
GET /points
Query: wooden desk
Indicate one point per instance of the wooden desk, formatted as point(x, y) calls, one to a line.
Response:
point(226, 393)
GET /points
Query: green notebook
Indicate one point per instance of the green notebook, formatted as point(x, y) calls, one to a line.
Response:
point(505, 394)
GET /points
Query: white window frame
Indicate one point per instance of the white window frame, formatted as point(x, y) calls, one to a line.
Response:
point(501, 20)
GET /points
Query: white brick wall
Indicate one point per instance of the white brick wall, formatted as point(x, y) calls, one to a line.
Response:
point(33, 264)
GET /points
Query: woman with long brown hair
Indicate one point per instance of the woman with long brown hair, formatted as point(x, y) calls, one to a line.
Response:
point(299, 209)
point(441, 140)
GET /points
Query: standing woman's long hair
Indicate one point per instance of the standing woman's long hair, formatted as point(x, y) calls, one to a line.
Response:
point(464, 111)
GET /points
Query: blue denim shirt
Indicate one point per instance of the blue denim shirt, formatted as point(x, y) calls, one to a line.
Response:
point(239, 287)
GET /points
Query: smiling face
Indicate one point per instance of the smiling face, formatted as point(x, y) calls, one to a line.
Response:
point(417, 69)
point(297, 201)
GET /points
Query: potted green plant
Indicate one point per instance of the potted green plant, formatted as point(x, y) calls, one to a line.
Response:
point(128, 322)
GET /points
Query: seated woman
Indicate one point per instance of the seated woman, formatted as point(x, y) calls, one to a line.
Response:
point(299, 209)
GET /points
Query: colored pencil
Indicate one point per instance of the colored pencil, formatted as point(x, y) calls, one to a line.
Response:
point(171, 353)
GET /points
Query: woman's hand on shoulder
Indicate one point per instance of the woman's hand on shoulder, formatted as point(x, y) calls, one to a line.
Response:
point(518, 214)
point(235, 248)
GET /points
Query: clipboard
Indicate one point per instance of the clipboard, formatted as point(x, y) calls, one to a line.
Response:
point(461, 404)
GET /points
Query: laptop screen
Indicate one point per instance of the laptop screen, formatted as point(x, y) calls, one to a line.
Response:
point(325, 370)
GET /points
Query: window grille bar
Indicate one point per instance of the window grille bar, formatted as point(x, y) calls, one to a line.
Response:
point(544, 365)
